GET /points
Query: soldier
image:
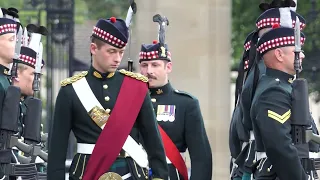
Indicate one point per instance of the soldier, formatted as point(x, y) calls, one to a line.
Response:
point(238, 137)
point(23, 75)
point(263, 24)
point(8, 28)
point(107, 110)
point(24, 79)
point(270, 112)
point(178, 114)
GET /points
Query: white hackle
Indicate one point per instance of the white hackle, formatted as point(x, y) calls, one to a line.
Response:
point(35, 42)
point(129, 17)
point(285, 17)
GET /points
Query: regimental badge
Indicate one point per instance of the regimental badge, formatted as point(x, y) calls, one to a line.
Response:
point(166, 113)
point(159, 91)
point(6, 72)
point(163, 51)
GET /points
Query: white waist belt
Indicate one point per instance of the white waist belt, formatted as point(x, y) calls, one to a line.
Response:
point(252, 136)
point(83, 148)
point(182, 155)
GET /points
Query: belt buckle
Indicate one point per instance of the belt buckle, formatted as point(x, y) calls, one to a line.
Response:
point(110, 176)
point(99, 115)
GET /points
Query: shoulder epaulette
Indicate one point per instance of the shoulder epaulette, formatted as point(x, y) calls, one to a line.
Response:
point(137, 76)
point(74, 78)
point(184, 93)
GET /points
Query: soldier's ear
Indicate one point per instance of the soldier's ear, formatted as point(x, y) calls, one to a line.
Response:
point(16, 79)
point(279, 54)
point(93, 48)
point(169, 67)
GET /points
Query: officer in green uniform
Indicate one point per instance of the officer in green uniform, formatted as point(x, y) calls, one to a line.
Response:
point(271, 108)
point(109, 40)
point(178, 113)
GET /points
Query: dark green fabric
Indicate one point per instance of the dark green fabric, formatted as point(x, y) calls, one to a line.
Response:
point(246, 176)
point(270, 114)
point(186, 130)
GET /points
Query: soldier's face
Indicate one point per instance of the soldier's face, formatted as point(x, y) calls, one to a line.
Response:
point(25, 80)
point(106, 58)
point(7, 46)
point(157, 71)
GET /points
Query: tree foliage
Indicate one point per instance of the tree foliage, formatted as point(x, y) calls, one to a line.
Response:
point(244, 15)
point(107, 8)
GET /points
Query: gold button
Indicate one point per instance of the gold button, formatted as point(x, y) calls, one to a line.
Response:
point(108, 111)
point(153, 100)
point(105, 86)
point(106, 98)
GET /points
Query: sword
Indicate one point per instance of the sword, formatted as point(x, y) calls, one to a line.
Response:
point(131, 11)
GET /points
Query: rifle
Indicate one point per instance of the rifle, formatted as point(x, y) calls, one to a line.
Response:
point(9, 134)
point(32, 128)
point(9, 138)
point(301, 124)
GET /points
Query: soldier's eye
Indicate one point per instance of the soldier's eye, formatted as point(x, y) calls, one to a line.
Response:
point(111, 51)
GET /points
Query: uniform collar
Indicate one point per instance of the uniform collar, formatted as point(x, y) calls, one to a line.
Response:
point(161, 90)
point(4, 70)
point(103, 76)
point(280, 75)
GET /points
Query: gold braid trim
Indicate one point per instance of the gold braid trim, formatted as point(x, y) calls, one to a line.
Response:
point(156, 179)
point(137, 76)
point(74, 78)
